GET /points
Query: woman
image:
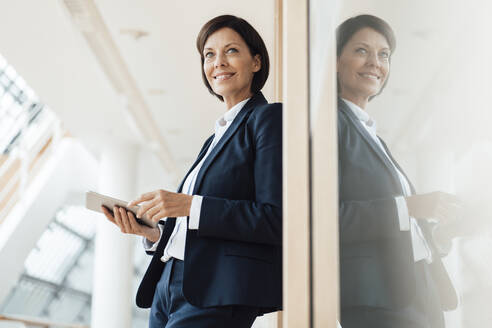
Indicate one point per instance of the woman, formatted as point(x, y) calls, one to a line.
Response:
point(390, 272)
point(217, 258)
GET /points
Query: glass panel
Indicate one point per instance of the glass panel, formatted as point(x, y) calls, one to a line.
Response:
point(46, 263)
point(11, 73)
point(5, 82)
point(80, 277)
point(6, 101)
point(15, 97)
point(79, 219)
point(21, 83)
point(27, 299)
point(14, 90)
point(434, 115)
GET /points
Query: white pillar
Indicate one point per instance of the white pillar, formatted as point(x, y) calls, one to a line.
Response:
point(113, 297)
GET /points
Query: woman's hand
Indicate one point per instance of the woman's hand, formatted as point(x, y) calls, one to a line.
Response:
point(161, 203)
point(437, 205)
point(127, 223)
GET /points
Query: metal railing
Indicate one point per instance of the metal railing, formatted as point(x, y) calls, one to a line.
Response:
point(38, 322)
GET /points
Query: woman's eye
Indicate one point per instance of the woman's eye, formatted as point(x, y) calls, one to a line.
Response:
point(361, 50)
point(385, 55)
point(231, 50)
point(209, 54)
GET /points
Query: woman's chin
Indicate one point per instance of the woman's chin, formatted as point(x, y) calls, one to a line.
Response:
point(221, 91)
point(370, 92)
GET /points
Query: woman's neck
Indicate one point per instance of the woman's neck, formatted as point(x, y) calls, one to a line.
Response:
point(236, 99)
point(359, 101)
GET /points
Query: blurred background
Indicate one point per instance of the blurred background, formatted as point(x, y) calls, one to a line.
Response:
point(107, 95)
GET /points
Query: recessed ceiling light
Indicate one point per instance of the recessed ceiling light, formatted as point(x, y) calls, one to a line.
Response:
point(134, 33)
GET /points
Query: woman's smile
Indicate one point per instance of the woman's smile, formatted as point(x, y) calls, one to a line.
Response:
point(370, 76)
point(229, 65)
point(223, 76)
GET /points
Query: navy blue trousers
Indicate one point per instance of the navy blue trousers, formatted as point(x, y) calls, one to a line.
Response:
point(171, 310)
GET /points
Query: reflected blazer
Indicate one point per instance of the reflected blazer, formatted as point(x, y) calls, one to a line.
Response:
point(377, 268)
point(235, 256)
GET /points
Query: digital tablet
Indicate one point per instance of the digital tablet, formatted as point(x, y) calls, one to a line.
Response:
point(94, 201)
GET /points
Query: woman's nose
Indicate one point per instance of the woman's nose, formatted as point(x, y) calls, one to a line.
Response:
point(373, 60)
point(220, 60)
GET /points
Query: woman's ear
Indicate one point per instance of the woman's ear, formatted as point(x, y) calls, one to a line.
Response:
point(256, 63)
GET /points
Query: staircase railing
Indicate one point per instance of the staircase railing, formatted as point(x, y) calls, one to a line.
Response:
point(39, 322)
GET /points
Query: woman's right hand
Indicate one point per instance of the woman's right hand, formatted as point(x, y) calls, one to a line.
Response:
point(125, 220)
point(437, 205)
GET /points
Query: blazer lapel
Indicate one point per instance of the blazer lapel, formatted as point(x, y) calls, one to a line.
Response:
point(199, 158)
point(365, 135)
point(256, 100)
point(412, 188)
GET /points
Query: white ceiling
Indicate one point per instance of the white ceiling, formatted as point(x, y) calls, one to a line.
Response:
point(42, 42)
point(47, 48)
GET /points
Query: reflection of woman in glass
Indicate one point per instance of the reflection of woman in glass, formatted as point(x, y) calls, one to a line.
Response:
point(391, 274)
point(218, 258)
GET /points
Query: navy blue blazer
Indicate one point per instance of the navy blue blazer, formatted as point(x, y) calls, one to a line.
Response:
point(376, 258)
point(235, 257)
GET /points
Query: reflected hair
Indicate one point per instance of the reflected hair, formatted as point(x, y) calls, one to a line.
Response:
point(348, 28)
point(250, 36)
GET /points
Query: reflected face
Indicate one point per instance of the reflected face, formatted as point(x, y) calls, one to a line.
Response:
point(363, 66)
point(229, 65)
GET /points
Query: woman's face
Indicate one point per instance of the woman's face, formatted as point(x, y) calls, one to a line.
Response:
point(229, 65)
point(363, 66)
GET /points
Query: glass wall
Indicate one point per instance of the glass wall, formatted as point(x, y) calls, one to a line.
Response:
point(433, 115)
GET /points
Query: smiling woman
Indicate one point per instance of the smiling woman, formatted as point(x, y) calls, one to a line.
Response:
point(242, 45)
point(217, 249)
point(229, 66)
point(364, 48)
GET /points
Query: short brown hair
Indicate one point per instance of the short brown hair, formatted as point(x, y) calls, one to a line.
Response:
point(348, 28)
point(250, 36)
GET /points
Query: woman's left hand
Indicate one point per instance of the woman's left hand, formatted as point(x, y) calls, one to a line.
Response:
point(161, 203)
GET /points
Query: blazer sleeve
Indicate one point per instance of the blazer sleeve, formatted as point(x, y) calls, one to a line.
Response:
point(368, 220)
point(258, 221)
point(363, 220)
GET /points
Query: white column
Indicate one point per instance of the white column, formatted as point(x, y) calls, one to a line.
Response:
point(113, 297)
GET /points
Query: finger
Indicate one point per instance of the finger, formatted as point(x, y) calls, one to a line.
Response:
point(143, 198)
point(145, 207)
point(107, 214)
point(135, 226)
point(156, 209)
point(124, 220)
point(159, 215)
point(117, 218)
